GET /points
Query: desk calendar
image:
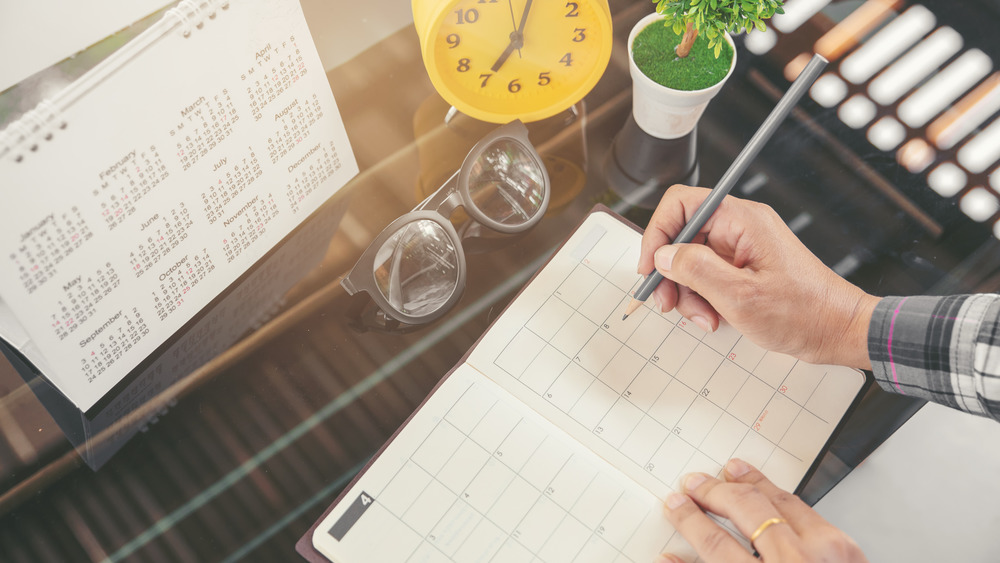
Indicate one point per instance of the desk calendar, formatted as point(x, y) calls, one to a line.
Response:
point(561, 433)
point(139, 193)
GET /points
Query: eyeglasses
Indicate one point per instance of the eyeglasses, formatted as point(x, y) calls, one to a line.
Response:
point(414, 270)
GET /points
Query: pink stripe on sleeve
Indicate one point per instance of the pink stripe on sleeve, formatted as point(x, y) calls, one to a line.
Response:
point(892, 364)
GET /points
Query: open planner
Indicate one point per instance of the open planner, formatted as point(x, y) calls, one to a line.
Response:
point(565, 427)
point(138, 193)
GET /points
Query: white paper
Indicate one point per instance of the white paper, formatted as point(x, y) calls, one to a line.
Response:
point(173, 174)
point(561, 435)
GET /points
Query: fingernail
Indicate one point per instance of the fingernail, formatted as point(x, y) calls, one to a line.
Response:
point(692, 481)
point(675, 500)
point(702, 323)
point(659, 301)
point(737, 467)
point(667, 558)
point(664, 257)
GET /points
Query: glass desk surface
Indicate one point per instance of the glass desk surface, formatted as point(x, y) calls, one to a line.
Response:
point(240, 456)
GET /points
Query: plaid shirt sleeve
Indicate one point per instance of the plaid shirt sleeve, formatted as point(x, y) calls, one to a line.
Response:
point(943, 349)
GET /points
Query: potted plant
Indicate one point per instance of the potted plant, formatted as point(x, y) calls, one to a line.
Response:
point(680, 56)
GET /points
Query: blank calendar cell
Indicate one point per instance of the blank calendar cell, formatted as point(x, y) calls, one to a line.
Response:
point(568, 539)
point(700, 366)
point(437, 448)
point(508, 511)
point(722, 440)
point(427, 553)
point(596, 500)
point(674, 351)
point(623, 275)
point(802, 381)
point(649, 537)
point(624, 329)
point(672, 403)
point(520, 444)
point(495, 426)
point(544, 369)
point(783, 469)
point(539, 523)
point(644, 440)
point(550, 318)
point(595, 402)
point(831, 398)
point(622, 369)
point(453, 528)
point(671, 457)
point(651, 332)
point(773, 368)
point(512, 552)
point(573, 335)
point(520, 352)
point(465, 414)
point(569, 386)
point(402, 491)
point(482, 543)
point(570, 482)
point(618, 423)
point(604, 255)
point(800, 440)
point(578, 286)
point(596, 550)
point(545, 463)
point(622, 521)
point(724, 384)
point(601, 303)
point(698, 420)
point(597, 352)
point(647, 386)
point(462, 466)
point(750, 401)
point(376, 522)
point(746, 354)
point(488, 485)
point(754, 449)
point(429, 507)
point(776, 418)
point(723, 339)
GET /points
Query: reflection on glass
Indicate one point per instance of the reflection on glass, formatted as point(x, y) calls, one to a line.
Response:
point(416, 269)
point(506, 183)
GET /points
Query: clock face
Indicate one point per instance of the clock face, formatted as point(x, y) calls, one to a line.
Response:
point(498, 60)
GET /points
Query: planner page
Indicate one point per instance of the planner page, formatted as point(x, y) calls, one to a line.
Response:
point(653, 394)
point(151, 184)
point(475, 475)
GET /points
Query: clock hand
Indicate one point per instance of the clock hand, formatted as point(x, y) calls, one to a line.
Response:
point(516, 39)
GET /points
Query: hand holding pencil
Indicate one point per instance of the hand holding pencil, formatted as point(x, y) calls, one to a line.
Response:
point(736, 169)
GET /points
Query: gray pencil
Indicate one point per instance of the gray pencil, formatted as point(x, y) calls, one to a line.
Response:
point(736, 169)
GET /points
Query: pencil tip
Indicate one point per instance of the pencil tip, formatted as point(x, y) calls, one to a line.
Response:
point(625, 316)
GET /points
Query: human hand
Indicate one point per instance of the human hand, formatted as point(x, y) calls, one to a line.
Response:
point(749, 501)
point(747, 267)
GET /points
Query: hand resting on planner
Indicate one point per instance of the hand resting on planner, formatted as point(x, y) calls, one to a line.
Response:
point(750, 501)
point(747, 267)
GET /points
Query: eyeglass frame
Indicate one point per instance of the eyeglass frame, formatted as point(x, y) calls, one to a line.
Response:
point(438, 208)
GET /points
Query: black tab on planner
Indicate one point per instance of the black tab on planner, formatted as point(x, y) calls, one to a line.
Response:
point(354, 512)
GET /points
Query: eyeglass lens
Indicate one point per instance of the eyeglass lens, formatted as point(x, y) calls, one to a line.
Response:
point(506, 184)
point(416, 269)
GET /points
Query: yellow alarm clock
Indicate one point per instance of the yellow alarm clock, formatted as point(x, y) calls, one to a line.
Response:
point(500, 60)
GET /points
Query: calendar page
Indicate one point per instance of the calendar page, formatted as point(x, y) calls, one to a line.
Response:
point(164, 175)
point(566, 427)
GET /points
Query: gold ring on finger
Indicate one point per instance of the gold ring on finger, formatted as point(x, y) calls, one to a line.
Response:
point(763, 527)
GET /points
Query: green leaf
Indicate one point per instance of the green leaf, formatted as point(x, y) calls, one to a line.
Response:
point(760, 25)
point(718, 49)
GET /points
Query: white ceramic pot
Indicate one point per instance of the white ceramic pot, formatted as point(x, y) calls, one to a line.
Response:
point(663, 112)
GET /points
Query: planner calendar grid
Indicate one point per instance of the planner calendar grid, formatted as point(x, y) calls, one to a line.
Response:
point(487, 484)
point(668, 396)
